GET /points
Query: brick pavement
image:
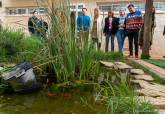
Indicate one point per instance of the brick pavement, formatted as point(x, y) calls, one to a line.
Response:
point(152, 68)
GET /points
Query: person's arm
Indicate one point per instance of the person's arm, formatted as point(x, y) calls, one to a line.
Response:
point(30, 25)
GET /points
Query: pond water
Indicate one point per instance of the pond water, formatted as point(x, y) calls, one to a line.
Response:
point(41, 103)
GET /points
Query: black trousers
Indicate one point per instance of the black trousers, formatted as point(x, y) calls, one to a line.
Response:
point(133, 37)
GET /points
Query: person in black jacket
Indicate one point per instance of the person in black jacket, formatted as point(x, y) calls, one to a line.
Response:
point(33, 23)
point(110, 29)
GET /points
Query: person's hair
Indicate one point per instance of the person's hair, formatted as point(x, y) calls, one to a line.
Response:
point(130, 5)
point(34, 12)
point(110, 11)
point(96, 9)
point(84, 9)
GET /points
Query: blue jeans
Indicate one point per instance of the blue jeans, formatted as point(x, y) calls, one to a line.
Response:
point(120, 39)
point(108, 36)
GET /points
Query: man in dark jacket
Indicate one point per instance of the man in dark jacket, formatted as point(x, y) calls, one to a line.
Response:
point(110, 29)
point(33, 23)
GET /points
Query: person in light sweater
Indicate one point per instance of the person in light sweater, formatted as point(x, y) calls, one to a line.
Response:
point(96, 32)
point(121, 30)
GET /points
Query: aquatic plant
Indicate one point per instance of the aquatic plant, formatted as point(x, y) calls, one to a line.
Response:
point(120, 98)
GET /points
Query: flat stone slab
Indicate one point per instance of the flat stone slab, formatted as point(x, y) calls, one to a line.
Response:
point(137, 71)
point(151, 86)
point(158, 102)
point(122, 66)
point(150, 93)
point(143, 77)
point(107, 64)
point(161, 111)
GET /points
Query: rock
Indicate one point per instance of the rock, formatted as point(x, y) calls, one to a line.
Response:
point(158, 102)
point(143, 77)
point(150, 93)
point(122, 66)
point(142, 83)
point(151, 86)
point(107, 64)
point(161, 111)
point(137, 71)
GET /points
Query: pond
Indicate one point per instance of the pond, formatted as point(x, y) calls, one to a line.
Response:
point(41, 103)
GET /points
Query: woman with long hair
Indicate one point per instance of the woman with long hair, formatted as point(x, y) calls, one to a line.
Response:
point(96, 32)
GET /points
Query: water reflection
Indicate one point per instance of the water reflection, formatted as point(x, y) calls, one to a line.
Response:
point(40, 103)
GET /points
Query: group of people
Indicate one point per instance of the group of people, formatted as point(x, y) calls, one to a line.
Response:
point(130, 25)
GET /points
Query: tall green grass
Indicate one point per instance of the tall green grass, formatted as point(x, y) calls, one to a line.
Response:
point(68, 59)
point(10, 43)
point(15, 46)
point(120, 98)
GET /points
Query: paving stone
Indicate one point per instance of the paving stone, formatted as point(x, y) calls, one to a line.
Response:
point(137, 71)
point(161, 111)
point(122, 66)
point(158, 102)
point(107, 64)
point(150, 93)
point(143, 77)
point(153, 68)
point(151, 86)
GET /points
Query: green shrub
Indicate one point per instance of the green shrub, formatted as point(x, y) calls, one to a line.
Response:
point(31, 47)
point(111, 56)
point(10, 43)
point(16, 47)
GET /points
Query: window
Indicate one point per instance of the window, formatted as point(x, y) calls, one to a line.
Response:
point(77, 8)
point(25, 11)
point(43, 10)
point(39, 10)
point(140, 6)
point(21, 11)
point(159, 6)
point(72, 7)
point(105, 8)
point(11, 11)
point(80, 6)
point(116, 7)
point(31, 10)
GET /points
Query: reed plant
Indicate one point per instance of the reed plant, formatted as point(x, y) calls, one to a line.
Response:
point(68, 58)
point(120, 98)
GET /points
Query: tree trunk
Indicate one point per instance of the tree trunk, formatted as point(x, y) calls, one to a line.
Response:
point(147, 28)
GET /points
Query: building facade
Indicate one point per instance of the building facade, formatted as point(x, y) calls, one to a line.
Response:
point(16, 12)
